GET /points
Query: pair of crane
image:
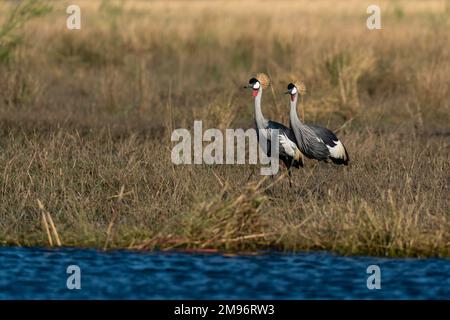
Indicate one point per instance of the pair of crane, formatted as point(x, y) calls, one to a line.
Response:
point(313, 141)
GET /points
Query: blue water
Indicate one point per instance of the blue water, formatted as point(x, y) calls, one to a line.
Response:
point(30, 273)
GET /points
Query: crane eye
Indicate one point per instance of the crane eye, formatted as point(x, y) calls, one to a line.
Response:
point(294, 90)
point(256, 85)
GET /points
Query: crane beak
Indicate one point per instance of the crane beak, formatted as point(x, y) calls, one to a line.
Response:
point(287, 92)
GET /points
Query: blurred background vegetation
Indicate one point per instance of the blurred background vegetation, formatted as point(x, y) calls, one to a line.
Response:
point(130, 55)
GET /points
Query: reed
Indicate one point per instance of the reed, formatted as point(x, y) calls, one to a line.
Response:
point(47, 220)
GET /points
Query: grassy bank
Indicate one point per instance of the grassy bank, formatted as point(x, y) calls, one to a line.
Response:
point(86, 118)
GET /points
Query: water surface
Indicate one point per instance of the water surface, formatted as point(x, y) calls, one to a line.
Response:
point(30, 273)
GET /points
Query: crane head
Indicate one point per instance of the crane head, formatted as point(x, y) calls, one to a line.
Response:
point(255, 85)
point(292, 90)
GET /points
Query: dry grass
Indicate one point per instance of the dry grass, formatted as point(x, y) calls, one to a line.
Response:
point(86, 118)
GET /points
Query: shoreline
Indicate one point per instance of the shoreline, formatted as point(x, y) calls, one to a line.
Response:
point(211, 251)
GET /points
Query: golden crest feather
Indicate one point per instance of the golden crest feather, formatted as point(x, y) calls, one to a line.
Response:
point(263, 79)
point(300, 87)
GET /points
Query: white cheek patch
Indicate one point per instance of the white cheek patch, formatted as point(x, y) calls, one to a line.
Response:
point(294, 90)
point(256, 86)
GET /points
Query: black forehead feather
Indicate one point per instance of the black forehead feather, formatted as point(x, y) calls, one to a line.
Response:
point(290, 86)
point(252, 81)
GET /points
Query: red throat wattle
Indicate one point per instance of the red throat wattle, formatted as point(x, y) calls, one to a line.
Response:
point(292, 97)
point(255, 92)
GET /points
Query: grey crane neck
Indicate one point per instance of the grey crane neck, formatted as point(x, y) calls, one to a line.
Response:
point(293, 114)
point(261, 122)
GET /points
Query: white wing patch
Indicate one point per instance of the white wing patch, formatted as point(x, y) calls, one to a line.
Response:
point(287, 146)
point(338, 151)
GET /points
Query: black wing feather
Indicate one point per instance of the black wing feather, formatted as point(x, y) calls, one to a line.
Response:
point(290, 134)
point(327, 136)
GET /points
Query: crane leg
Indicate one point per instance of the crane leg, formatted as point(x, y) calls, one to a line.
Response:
point(251, 174)
point(289, 173)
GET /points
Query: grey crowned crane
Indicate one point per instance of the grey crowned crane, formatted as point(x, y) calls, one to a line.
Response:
point(315, 142)
point(289, 153)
